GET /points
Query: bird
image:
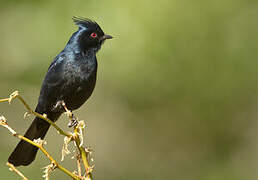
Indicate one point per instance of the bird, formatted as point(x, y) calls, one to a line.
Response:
point(70, 78)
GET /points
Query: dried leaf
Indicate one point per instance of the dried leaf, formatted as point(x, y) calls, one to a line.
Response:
point(47, 169)
point(65, 150)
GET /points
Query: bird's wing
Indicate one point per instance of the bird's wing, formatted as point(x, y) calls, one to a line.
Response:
point(52, 85)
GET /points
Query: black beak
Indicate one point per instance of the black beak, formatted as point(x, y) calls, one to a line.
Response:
point(106, 36)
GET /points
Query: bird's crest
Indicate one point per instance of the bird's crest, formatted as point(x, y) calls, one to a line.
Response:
point(85, 22)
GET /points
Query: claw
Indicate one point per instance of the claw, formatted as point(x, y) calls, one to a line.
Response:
point(73, 122)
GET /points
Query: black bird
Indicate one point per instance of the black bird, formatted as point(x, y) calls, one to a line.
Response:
point(70, 78)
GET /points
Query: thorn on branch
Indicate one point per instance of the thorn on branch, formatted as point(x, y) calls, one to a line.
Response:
point(3, 122)
point(26, 114)
point(13, 96)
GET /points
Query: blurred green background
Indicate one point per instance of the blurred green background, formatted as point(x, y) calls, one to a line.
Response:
point(177, 89)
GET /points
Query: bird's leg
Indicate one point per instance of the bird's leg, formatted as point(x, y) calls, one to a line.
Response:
point(73, 120)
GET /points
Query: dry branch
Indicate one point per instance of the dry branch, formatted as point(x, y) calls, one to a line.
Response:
point(76, 136)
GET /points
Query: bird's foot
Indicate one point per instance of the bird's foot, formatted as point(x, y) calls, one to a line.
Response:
point(73, 122)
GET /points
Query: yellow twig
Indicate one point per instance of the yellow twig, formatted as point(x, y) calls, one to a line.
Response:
point(78, 157)
point(12, 168)
point(4, 100)
point(15, 94)
point(83, 154)
point(40, 146)
point(77, 136)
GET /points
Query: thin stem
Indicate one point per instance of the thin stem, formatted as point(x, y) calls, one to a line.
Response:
point(39, 145)
point(48, 156)
point(12, 168)
point(4, 100)
point(78, 156)
point(43, 117)
point(16, 95)
point(83, 154)
point(52, 123)
point(75, 136)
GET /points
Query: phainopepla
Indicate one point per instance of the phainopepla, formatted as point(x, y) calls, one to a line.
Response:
point(70, 78)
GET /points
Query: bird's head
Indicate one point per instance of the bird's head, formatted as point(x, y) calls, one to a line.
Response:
point(89, 35)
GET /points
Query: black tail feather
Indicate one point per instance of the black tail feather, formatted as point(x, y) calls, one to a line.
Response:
point(25, 153)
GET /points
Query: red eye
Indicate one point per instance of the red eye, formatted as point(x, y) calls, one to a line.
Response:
point(93, 35)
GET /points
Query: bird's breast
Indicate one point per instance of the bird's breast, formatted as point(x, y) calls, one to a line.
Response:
point(80, 79)
point(79, 71)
